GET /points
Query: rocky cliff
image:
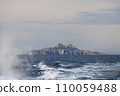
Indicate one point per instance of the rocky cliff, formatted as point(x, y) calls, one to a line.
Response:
point(61, 49)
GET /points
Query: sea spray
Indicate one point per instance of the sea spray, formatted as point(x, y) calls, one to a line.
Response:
point(8, 59)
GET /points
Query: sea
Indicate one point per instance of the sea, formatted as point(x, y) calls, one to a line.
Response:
point(86, 67)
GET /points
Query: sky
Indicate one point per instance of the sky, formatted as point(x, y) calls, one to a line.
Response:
point(87, 24)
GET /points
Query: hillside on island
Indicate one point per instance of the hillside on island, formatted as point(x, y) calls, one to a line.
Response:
point(61, 49)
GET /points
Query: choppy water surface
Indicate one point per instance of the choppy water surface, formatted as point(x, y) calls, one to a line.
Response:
point(71, 67)
point(67, 68)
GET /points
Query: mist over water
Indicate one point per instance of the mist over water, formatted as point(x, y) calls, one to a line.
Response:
point(8, 58)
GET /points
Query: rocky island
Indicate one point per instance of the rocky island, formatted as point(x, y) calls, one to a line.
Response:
point(63, 50)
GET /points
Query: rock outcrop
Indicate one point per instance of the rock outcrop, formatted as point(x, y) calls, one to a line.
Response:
point(61, 49)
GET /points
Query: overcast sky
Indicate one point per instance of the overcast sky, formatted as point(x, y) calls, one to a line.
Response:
point(87, 24)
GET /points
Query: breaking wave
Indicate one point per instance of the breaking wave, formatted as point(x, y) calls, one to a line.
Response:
point(89, 71)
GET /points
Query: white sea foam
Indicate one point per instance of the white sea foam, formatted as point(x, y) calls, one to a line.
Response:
point(89, 71)
point(49, 73)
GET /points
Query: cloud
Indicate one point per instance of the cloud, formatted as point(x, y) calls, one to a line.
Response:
point(12, 10)
point(100, 17)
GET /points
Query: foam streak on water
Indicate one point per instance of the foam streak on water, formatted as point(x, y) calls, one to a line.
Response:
point(88, 71)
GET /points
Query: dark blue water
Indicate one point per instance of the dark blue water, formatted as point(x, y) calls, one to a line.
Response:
point(70, 67)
